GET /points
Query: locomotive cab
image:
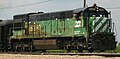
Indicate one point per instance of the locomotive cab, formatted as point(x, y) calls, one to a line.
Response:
point(95, 24)
point(98, 24)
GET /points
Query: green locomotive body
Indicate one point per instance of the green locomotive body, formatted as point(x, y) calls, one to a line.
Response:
point(52, 28)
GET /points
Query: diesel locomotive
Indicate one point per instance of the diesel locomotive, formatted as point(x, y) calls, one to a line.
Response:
point(89, 28)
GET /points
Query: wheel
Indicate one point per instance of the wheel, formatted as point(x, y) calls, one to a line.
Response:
point(102, 50)
point(2, 50)
point(33, 49)
point(18, 49)
point(43, 50)
point(26, 49)
point(68, 50)
point(12, 50)
point(80, 49)
point(90, 50)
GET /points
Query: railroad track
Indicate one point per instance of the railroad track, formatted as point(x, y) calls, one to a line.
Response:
point(87, 54)
point(80, 54)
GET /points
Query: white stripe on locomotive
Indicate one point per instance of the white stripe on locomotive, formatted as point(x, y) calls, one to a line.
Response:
point(100, 24)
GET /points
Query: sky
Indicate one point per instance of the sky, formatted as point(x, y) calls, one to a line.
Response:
point(8, 8)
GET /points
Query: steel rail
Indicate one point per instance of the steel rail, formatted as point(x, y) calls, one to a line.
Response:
point(79, 54)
